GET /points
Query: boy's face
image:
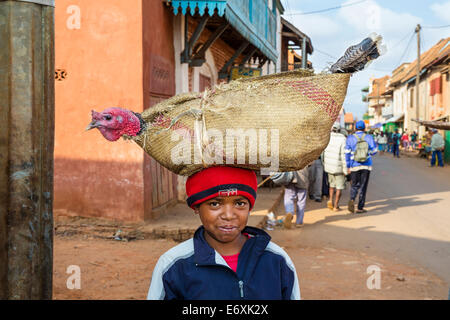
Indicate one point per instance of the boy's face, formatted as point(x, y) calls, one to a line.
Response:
point(224, 217)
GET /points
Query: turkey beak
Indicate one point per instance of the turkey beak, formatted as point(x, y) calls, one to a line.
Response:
point(92, 125)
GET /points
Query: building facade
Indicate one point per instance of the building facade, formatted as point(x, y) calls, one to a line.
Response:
point(434, 91)
point(377, 99)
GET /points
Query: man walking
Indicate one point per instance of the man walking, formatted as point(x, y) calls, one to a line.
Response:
point(414, 140)
point(359, 150)
point(396, 144)
point(437, 146)
point(335, 166)
point(390, 142)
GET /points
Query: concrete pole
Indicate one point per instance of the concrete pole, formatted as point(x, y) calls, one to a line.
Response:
point(26, 148)
point(418, 77)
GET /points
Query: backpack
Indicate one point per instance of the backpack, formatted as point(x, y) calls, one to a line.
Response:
point(362, 149)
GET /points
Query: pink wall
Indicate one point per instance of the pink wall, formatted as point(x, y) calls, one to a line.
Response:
point(103, 62)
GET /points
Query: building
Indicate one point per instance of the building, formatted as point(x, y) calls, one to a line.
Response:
point(349, 122)
point(434, 90)
point(134, 54)
point(433, 87)
point(399, 103)
point(377, 100)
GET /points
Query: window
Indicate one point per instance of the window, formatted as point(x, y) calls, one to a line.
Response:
point(411, 98)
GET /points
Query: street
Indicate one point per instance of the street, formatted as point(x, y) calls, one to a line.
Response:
point(406, 233)
point(407, 220)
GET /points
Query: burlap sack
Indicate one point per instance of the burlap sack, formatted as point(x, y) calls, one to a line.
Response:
point(284, 118)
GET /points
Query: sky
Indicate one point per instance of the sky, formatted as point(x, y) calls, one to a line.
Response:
point(332, 32)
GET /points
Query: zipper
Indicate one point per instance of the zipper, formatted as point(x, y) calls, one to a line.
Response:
point(240, 282)
point(241, 287)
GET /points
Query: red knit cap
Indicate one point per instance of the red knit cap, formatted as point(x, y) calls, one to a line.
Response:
point(221, 181)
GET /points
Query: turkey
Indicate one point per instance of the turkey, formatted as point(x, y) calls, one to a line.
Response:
point(115, 122)
point(270, 110)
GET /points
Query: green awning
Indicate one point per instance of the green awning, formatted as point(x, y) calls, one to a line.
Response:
point(396, 118)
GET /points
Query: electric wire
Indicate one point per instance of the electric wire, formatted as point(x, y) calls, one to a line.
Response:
point(406, 49)
point(436, 27)
point(329, 9)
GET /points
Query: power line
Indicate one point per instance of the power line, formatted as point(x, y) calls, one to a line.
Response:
point(403, 39)
point(324, 53)
point(406, 49)
point(436, 27)
point(328, 9)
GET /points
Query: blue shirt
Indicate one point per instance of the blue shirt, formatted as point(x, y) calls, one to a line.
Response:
point(350, 147)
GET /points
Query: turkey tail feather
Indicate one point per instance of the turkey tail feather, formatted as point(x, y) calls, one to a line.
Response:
point(357, 57)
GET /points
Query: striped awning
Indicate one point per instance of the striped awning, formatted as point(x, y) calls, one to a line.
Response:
point(202, 5)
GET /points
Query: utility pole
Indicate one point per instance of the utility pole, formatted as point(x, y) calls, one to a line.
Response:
point(418, 75)
point(27, 103)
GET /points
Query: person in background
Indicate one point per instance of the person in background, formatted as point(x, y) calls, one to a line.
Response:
point(325, 186)
point(315, 180)
point(414, 140)
point(295, 195)
point(359, 150)
point(344, 132)
point(437, 147)
point(335, 166)
point(405, 140)
point(390, 142)
point(295, 192)
point(375, 136)
point(396, 144)
point(382, 141)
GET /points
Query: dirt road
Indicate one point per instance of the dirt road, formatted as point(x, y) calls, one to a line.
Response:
point(122, 270)
point(408, 217)
point(405, 236)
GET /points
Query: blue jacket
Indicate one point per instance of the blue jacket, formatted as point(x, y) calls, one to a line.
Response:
point(350, 147)
point(193, 270)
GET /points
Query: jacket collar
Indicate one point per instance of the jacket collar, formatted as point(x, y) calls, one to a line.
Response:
point(204, 254)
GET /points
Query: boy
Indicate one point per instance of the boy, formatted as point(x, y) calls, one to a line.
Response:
point(225, 259)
